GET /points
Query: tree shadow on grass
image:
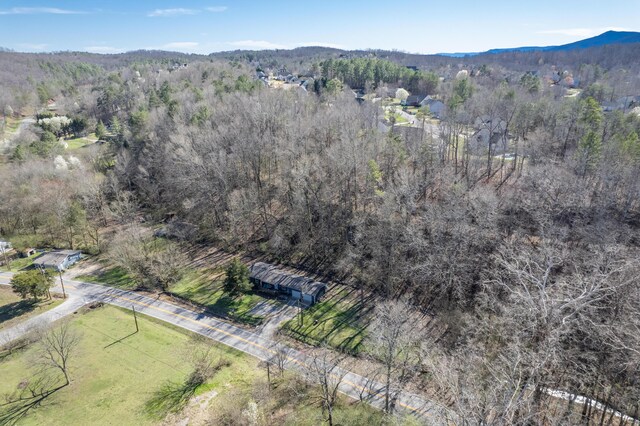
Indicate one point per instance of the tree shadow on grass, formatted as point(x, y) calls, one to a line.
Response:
point(170, 398)
point(342, 327)
point(16, 309)
point(16, 408)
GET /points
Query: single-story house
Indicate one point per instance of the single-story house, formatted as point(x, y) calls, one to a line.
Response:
point(58, 260)
point(269, 278)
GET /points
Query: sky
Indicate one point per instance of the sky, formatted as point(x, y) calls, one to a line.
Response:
point(417, 26)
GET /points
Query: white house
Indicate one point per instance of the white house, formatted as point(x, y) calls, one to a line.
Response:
point(58, 260)
point(436, 107)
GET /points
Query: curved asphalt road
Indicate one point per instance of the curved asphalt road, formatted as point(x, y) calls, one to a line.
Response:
point(81, 293)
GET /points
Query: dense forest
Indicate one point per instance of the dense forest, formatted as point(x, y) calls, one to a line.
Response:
point(524, 246)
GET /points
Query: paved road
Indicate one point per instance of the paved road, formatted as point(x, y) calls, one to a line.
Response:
point(254, 344)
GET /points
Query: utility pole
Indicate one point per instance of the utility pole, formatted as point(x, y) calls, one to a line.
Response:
point(135, 317)
point(64, 294)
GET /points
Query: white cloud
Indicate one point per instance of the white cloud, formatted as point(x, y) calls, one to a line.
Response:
point(216, 9)
point(179, 46)
point(581, 32)
point(33, 46)
point(264, 44)
point(103, 49)
point(256, 44)
point(172, 12)
point(40, 10)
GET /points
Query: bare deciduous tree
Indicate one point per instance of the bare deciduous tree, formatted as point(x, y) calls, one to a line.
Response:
point(57, 347)
point(324, 372)
point(394, 340)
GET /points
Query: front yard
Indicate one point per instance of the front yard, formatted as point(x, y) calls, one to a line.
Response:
point(115, 373)
point(200, 286)
point(205, 287)
point(340, 320)
point(110, 276)
point(19, 263)
point(14, 310)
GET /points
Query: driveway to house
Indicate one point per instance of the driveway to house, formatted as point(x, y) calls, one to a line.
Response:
point(276, 314)
point(411, 119)
point(260, 346)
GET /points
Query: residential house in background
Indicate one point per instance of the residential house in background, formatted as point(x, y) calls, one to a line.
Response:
point(625, 103)
point(436, 107)
point(5, 248)
point(266, 277)
point(489, 132)
point(413, 100)
point(58, 260)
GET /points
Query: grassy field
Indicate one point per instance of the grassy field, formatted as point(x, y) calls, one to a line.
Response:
point(14, 310)
point(19, 263)
point(112, 276)
point(77, 143)
point(114, 373)
point(12, 125)
point(339, 320)
point(205, 288)
point(398, 117)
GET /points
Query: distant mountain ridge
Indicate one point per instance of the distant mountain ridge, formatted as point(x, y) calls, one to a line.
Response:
point(607, 38)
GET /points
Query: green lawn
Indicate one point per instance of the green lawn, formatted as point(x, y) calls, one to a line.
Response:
point(399, 117)
point(14, 310)
point(12, 124)
point(411, 110)
point(339, 321)
point(111, 382)
point(391, 101)
point(77, 143)
point(205, 288)
point(20, 263)
point(113, 277)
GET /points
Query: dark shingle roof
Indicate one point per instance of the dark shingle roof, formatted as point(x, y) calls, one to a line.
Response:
point(272, 275)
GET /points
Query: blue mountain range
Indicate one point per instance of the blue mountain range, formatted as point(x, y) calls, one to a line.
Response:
point(604, 39)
